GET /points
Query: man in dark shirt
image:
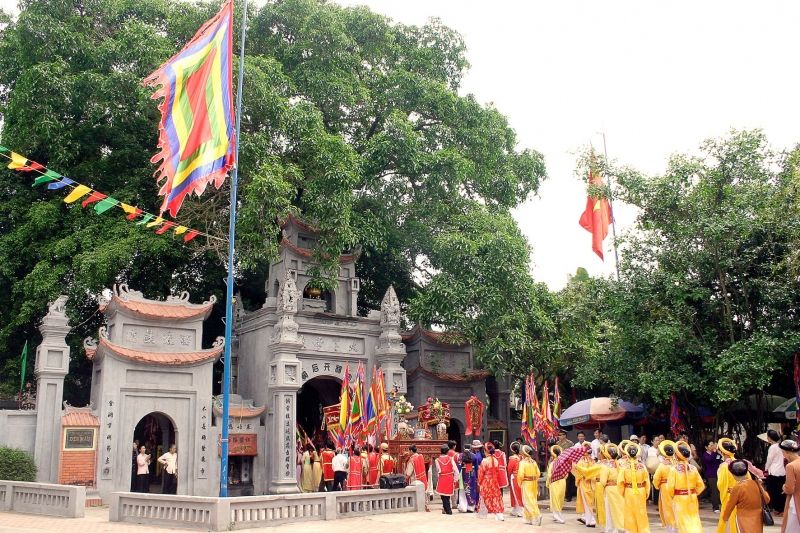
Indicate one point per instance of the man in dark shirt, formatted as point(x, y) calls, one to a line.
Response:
point(711, 460)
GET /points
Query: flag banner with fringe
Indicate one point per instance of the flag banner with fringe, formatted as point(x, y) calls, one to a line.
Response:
point(196, 134)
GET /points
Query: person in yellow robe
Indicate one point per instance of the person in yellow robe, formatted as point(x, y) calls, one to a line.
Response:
point(684, 485)
point(307, 472)
point(557, 489)
point(665, 512)
point(316, 469)
point(622, 461)
point(586, 472)
point(528, 475)
point(600, 491)
point(725, 481)
point(614, 502)
point(635, 484)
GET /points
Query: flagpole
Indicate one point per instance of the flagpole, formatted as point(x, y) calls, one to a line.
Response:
point(611, 205)
point(226, 373)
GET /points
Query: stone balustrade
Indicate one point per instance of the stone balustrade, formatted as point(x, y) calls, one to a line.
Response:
point(42, 498)
point(222, 514)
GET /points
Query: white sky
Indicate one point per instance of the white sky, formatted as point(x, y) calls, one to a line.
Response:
point(656, 77)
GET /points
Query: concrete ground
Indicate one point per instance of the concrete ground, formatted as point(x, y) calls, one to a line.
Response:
point(96, 521)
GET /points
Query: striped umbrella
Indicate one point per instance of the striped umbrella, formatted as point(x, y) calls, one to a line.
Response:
point(788, 409)
point(600, 411)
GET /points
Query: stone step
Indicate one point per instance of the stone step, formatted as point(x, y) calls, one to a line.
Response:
point(93, 499)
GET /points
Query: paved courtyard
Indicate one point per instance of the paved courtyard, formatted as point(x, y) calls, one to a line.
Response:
point(96, 521)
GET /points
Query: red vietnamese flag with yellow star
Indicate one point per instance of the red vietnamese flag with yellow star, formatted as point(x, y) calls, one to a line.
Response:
point(597, 216)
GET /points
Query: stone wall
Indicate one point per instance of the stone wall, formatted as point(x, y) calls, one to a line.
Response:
point(42, 498)
point(19, 429)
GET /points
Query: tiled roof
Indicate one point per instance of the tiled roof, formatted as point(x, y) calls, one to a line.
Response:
point(79, 418)
point(177, 310)
point(344, 258)
point(246, 411)
point(160, 358)
point(465, 377)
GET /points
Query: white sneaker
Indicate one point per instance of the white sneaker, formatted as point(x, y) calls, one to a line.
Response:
point(501, 517)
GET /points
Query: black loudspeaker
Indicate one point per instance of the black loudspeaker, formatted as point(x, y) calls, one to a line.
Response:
point(392, 481)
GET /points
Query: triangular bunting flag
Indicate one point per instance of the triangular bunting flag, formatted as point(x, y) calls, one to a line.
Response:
point(156, 222)
point(77, 193)
point(132, 211)
point(48, 176)
point(60, 184)
point(104, 205)
point(94, 197)
point(145, 219)
point(20, 162)
point(191, 235)
point(180, 229)
point(164, 228)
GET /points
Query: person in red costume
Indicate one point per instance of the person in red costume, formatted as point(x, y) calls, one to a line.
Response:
point(355, 480)
point(513, 467)
point(327, 455)
point(446, 470)
point(491, 499)
point(372, 464)
point(386, 462)
point(415, 468)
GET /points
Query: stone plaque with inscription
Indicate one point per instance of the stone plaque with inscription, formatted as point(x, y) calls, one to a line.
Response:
point(79, 438)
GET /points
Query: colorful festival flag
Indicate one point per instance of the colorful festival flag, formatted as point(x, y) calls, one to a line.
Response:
point(676, 425)
point(597, 216)
point(196, 134)
point(344, 400)
point(556, 402)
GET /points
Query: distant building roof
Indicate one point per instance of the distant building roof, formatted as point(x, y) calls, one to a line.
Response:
point(155, 358)
point(445, 338)
point(464, 377)
point(344, 258)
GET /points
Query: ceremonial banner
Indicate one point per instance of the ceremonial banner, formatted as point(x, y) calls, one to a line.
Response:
point(196, 134)
point(596, 217)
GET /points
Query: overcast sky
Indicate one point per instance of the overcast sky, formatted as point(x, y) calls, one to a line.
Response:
point(656, 77)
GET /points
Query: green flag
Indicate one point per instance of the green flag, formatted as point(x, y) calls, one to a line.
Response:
point(24, 365)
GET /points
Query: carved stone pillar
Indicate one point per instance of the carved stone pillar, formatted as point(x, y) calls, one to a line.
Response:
point(52, 364)
point(391, 351)
point(284, 382)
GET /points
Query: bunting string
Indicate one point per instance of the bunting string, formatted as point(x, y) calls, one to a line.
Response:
point(102, 202)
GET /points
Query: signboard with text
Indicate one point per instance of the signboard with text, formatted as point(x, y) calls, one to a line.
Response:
point(79, 438)
point(241, 444)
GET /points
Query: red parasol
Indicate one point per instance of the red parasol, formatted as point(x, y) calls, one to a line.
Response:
point(564, 463)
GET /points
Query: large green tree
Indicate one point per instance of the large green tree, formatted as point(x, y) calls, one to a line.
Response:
point(707, 301)
point(351, 120)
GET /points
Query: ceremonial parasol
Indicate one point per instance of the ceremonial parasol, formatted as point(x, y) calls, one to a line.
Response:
point(564, 462)
point(600, 411)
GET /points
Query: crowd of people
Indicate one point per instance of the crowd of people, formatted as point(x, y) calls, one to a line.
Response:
point(613, 483)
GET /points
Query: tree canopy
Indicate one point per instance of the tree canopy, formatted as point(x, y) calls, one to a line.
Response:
point(706, 305)
point(352, 121)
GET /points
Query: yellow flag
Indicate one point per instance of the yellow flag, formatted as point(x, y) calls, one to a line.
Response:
point(180, 229)
point(156, 222)
point(77, 193)
point(17, 161)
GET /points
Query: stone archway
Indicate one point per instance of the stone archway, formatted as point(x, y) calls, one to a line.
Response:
point(156, 431)
point(315, 394)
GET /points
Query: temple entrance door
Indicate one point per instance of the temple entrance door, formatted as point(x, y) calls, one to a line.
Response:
point(455, 432)
point(156, 432)
point(315, 394)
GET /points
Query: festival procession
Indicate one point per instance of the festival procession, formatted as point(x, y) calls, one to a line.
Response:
point(407, 265)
